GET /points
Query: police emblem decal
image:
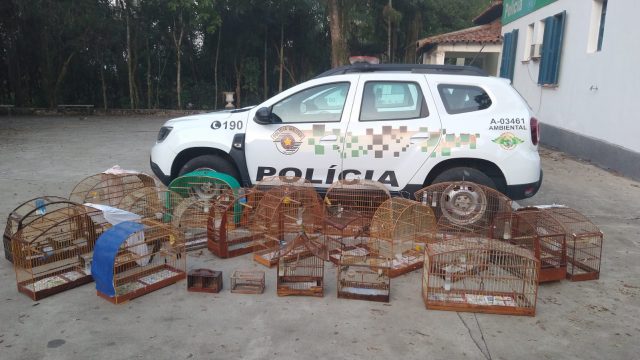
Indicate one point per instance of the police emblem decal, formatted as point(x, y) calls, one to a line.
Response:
point(287, 139)
point(508, 141)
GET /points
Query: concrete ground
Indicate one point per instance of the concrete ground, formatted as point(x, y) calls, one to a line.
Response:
point(575, 320)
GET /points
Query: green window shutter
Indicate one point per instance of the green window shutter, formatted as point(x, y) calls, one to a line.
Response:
point(551, 49)
point(509, 47)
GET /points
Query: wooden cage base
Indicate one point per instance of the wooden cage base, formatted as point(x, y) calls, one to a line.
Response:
point(216, 249)
point(465, 306)
point(64, 283)
point(552, 274)
point(364, 294)
point(146, 288)
point(300, 286)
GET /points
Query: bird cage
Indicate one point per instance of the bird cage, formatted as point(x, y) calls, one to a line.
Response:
point(190, 217)
point(400, 228)
point(203, 184)
point(51, 252)
point(584, 243)
point(300, 271)
point(289, 206)
point(464, 207)
point(247, 282)
point(26, 213)
point(349, 206)
point(204, 280)
point(109, 188)
point(152, 203)
point(133, 259)
point(229, 223)
point(363, 277)
point(538, 231)
point(480, 275)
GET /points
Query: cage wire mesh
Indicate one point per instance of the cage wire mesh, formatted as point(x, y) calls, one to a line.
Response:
point(539, 232)
point(464, 207)
point(152, 203)
point(362, 276)
point(133, 259)
point(25, 213)
point(52, 253)
point(203, 184)
point(300, 271)
point(349, 206)
point(400, 228)
point(229, 224)
point(109, 189)
point(289, 206)
point(480, 275)
point(584, 243)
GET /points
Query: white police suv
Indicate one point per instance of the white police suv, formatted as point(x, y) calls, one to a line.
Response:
point(405, 126)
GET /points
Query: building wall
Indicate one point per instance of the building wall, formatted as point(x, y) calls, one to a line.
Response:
point(489, 52)
point(592, 112)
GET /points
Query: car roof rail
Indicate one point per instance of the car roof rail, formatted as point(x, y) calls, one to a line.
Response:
point(414, 68)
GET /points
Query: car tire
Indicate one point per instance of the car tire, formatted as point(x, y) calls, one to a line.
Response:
point(212, 162)
point(467, 174)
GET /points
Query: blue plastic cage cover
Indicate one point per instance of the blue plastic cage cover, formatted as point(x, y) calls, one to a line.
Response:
point(105, 251)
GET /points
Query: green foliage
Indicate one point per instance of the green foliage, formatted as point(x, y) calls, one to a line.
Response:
point(67, 51)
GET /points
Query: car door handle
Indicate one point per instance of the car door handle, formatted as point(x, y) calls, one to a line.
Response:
point(329, 138)
point(419, 137)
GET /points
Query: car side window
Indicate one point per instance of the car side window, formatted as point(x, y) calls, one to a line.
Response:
point(458, 99)
point(392, 100)
point(322, 103)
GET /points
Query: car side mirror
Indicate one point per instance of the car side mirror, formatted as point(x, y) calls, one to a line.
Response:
point(263, 116)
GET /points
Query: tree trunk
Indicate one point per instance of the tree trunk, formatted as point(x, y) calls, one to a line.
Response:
point(60, 78)
point(338, 44)
point(238, 82)
point(281, 57)
point(129, 61)
point(177, 41)
point(178, 83)
point(389, 56)
point(412, 38)
point(104, 86)
point(215, 69)
point(149, 84)
point(265, 85)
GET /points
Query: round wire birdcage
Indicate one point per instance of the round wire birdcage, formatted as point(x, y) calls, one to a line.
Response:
point(109, 189)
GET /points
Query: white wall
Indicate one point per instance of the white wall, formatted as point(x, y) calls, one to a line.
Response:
point(611, 113)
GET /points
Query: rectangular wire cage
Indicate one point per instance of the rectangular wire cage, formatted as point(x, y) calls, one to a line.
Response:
point(133, 259)
point(400, 229)
point(584, 243)
point(108, 188)
point(349, 206)
point(287, 208)
point(229, 223)
point(363, 277)
point(247, 282)
point(49, 252)
point(300, 271)
point(480, 275)
point(539, 232)
point(26, 213)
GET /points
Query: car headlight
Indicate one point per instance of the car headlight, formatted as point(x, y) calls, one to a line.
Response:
point(164, 132)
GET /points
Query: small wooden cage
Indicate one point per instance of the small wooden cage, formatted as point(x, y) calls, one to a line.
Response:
point(132, 259)
point(363, 277)
point(26, 213)
point(247, 282)
point(204, 280)
point(300, 271)
point(464, 207)
point(203, 184)
point(152, 203)
point(400, 228)
point(288, 207)
point(539, 232)
point(584, 243)
point(49, 252)
point(229, 223)
point(108, 188)
point(349, 206)
point(480, 275)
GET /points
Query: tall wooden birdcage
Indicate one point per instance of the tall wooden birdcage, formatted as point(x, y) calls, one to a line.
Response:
point(480, 275)
point(152, 203)
point(362, 276)
point(52, 252)
point(349, 206)
point(289, 206)
point(464, 207)
point(108, 188)
point(584, 243)
point(539, 232)
point(300, 271)
point(191, 217)
point(229, 224)
point(133, 259)
point(27, 212)
point(400, 228)
point(203, 184)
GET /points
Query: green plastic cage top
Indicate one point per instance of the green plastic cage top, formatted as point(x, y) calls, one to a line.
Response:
point(207, 184)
